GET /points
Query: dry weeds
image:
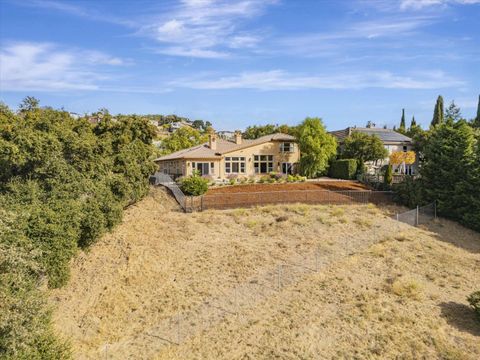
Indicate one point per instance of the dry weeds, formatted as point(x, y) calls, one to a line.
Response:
point(388, 290)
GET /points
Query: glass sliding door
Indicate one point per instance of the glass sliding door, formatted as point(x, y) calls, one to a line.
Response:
point(203, 168)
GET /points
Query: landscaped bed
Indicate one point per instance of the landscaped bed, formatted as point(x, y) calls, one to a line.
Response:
point(319, 185)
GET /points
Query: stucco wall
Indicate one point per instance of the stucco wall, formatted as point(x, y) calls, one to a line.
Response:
point(391, 149)
point(270, 148)
point(184, 167)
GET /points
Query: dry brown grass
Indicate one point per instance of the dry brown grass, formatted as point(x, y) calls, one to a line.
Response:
point(400, 297)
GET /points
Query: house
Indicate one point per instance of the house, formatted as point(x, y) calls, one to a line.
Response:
point(392, 141)
point(174, 126)
point(221, 158)
point(226, 134)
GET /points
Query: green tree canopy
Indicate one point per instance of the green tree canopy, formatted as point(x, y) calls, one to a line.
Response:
point(452, 113)
point(448, 158)
point(256, 131)
point(363, 148)
point(63, 183)
point(28, 104)
point(317, 147)
point(201, 125)
point(476, 120)
point(183, 138)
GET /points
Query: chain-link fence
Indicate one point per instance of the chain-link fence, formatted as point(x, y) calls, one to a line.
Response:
point(239, 298)
point(419, 215)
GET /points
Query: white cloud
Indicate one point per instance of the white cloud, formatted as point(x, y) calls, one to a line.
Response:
point(206, 28)
point(421, 4)
point(196, 53)
point(46, 67)
point(99, 58)
point(282, 80)
point(72, 9)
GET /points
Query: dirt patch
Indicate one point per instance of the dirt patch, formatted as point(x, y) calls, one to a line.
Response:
point(380, 292)
point(320, 185)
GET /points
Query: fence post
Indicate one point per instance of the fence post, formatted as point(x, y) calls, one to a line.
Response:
point(416, 217)
point(279, 277)
point(178, 329)
point(397, 216)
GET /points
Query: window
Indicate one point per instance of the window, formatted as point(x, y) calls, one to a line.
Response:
point(287, 168)
point(287, 147)
point(235, 165)
point(405, 148)
point(410, 169)
point(202, 168)
point(263, 164)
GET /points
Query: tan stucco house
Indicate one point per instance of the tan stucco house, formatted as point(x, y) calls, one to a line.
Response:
point(221, 158)
point(392, 141)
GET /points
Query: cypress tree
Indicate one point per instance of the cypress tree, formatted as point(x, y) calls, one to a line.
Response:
point(413, 123)
point(388, 177)
point(438, 112)
point(402, 122)
point(476, 121)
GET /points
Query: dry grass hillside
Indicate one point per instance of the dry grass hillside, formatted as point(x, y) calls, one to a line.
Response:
point(353, 284)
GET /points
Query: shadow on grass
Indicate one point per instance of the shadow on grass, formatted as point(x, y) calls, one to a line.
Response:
point(461, 317)
point(455, 234)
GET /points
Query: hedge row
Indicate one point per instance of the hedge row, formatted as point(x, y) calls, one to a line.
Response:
point(343, 168)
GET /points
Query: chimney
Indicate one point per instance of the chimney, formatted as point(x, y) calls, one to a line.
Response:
point(238, 137)
point(212, 140)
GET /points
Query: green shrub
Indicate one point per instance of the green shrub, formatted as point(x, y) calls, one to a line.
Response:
point(25, 317)
point(232, 179)
point(388, 177)
point(409, 192)
point(343, 169)
point(194, 185)
point(264, 179)
point(93, 223)
point(474, 301)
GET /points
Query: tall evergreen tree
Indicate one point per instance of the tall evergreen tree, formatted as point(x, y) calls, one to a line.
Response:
point(469, 188)
point(452, 114)
point(448, 154)
point(413, 123)
point(402, 127)
point(476, 121)
point(438, 112)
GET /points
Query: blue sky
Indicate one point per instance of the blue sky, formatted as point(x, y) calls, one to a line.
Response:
point(244, 62)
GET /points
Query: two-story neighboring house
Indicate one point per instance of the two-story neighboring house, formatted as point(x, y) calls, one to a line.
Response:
point(392, 141)
point(221, 158)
